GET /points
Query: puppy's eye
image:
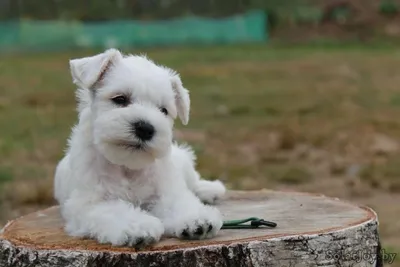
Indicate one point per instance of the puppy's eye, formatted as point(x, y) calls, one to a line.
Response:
point(164, 110)
point(120, 100)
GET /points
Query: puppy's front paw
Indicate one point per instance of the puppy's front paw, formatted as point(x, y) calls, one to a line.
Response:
point(206, 223)
point(137, 232)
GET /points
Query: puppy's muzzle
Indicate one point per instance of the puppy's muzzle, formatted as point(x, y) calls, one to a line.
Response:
point(143, 130)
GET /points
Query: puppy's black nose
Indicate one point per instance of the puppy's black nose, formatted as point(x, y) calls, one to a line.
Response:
point(143, 130)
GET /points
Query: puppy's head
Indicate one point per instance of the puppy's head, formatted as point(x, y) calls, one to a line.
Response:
point(133, 103)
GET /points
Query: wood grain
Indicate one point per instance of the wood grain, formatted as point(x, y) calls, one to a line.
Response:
point(312, 230)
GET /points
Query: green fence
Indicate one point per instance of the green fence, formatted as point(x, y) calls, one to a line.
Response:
point(56, 35)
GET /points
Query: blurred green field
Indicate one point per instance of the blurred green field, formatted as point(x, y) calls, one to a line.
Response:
point(314, 119)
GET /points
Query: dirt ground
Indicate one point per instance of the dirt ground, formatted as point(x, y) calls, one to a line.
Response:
point(311, 119)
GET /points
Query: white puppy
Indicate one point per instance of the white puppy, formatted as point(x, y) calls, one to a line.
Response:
point(123, 180)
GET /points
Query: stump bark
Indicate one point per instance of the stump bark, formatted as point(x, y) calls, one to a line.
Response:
point(312, 230)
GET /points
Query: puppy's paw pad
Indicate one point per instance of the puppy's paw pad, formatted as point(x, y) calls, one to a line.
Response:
point(200, 232)
point(205, 225)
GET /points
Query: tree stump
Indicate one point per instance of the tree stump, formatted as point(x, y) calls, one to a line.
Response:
point(312, 230)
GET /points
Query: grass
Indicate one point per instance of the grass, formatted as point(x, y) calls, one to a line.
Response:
point(390, 256)
point(308, 118)
point(383, 173)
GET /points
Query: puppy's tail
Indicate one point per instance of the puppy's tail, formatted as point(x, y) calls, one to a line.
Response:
point(83, 98)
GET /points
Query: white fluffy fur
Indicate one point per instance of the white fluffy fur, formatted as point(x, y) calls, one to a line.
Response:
point(121, 195)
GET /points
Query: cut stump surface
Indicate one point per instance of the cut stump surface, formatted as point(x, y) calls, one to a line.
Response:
point(312, 230)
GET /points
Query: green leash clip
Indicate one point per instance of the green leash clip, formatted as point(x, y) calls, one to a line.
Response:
point(254, 223)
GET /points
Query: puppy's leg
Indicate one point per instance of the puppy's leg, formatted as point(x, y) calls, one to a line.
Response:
point(61, 188)
point(116, 222)
point(186, 217)
point(208, 191)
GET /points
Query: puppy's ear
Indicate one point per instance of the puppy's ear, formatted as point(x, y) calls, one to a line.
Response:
point(89, 71)
point(182, 99)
